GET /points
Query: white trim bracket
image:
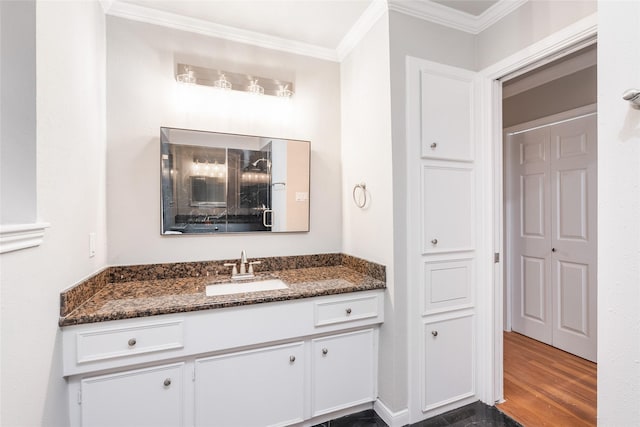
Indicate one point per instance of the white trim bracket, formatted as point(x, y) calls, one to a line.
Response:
point(21, 236)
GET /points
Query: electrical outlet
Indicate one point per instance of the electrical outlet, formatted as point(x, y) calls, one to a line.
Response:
point(92, 245)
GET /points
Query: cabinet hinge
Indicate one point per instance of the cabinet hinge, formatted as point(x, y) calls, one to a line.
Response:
point(193, 374)
point(496, 257)
point(79, 397)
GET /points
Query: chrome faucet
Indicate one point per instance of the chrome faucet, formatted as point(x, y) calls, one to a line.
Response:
point(245, 273)
point(243, 262)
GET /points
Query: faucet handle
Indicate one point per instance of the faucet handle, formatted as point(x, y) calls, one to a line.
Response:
point(251, 265)
point(232, 264)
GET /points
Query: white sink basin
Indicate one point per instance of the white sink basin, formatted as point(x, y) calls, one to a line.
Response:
point(240, 288)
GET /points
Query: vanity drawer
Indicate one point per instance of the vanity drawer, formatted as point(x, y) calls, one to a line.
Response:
point(346, 310)
point(101, 344)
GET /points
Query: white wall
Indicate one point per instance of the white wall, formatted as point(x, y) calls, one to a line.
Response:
point(71, 146)
point(618, 215)
point(18, 112)
point(366, 157)
point(143, 96)
point(528, 24)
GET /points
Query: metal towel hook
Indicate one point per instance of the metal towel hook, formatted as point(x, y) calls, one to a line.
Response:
point(633, 96)
point(360, 197)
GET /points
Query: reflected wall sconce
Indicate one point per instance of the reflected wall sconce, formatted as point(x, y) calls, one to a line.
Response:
point(226, 80)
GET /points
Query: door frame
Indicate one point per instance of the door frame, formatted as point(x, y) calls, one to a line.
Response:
point(490, 295)
point(554, 119)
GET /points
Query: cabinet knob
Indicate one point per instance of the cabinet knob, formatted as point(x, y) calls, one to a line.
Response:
point(434, 333)
point(167, 382)
point(292, 359)
point(132, 342)
point(434, 241)
point(553, 249)
point(348, 310)
point(325, 351)
point(433, 145)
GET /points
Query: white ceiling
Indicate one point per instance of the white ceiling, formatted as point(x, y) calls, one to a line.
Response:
point(326, 29)
point(318, 22)
point(472, 7)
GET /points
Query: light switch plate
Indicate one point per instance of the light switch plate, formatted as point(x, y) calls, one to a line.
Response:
point(92, 245)
point(302, 196)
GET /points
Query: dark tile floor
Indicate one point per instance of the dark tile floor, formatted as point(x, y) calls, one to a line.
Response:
point(474, 414)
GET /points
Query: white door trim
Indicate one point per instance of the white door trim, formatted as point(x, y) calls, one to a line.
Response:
point(489, 172)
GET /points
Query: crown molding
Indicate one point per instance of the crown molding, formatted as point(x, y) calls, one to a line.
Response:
point(199, 26)
point(443, 15)
point(361, 27)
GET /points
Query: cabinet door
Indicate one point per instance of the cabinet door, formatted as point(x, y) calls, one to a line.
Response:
point(144, 397)
point(343, 371)
point(448, 362)
point(447, 209)
point(446, 116)
point(263, 387)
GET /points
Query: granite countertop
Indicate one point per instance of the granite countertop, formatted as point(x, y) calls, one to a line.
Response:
point(149, 297)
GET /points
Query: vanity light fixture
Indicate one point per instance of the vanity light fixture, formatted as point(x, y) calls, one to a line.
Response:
point(255, 88)
point(284, 92)
point(186, 76)
point(223, 83)
point(227, 80)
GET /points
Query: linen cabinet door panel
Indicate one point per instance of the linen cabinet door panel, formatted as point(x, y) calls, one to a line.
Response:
point(447, 285)
point(138, 398)
point(447, 209)
point(262, 387)
point(448, 361)
point(343, 371)
point(446, 116)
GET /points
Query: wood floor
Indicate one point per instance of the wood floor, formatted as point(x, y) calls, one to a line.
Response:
point(544, 386)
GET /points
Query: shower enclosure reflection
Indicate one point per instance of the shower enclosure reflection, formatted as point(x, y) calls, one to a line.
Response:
point(215, 183)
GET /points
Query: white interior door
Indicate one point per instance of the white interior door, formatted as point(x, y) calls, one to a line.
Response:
point(551, 224)
point(529, 223)
point(574, 247)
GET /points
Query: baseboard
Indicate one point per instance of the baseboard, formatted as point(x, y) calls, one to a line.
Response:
point(393, 419)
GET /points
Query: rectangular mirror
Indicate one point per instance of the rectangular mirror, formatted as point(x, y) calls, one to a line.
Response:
point(224, 183)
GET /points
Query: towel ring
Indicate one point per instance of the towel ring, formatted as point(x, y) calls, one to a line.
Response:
point(361, 201)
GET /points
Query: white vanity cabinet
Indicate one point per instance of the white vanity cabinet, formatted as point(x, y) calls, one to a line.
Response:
point(253, 365)
point(255, 388)
point(343, 371)
point(143, 397)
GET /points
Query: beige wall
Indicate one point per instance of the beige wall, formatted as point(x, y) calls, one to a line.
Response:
point(297, 182)
point(566, 93)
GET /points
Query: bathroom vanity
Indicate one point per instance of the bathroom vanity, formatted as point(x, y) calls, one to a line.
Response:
point(161, 353)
